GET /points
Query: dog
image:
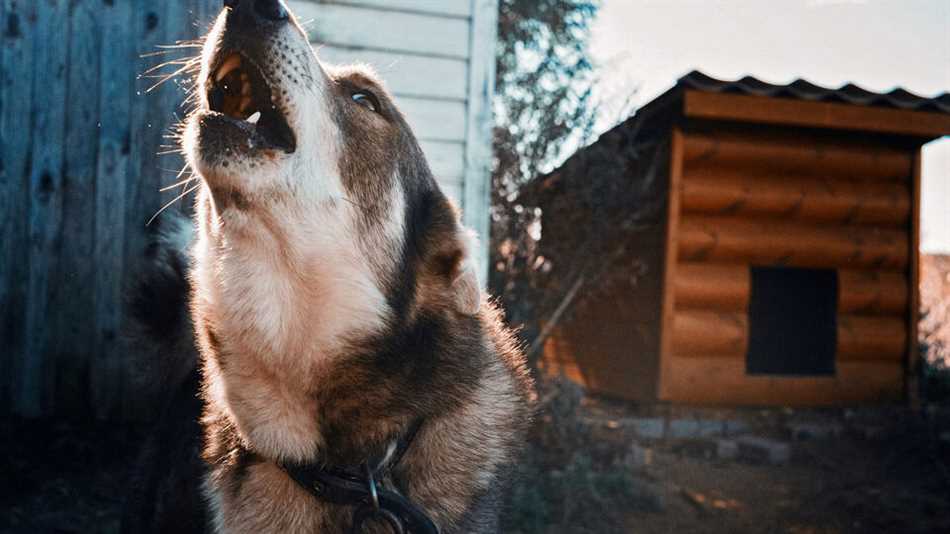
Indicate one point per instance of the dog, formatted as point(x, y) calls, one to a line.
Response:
point(353, 375)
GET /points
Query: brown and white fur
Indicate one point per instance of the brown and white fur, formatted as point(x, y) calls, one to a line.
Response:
point(334, 295)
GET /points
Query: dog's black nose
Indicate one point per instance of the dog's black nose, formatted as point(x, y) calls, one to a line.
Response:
point(267, 9)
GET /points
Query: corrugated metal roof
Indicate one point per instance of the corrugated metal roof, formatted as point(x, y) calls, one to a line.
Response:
point(655, 117)
point(805, 90)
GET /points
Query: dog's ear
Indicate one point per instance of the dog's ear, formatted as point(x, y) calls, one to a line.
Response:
point(449, 279)
point(452, 278)
point(462, 276)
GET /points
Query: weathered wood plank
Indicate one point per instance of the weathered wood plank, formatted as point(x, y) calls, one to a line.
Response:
point(72, 296)
point(117, 57)
point(478, 134)
point(384, 30)
point(456, 8)
point(5, 205)
point(149, 30)
point(446, 159)
point(435, 120)
point(453, 191)
point(205, 13)
point(407, 74)
point(34, 382)
point(16, 94)
point(164, 110)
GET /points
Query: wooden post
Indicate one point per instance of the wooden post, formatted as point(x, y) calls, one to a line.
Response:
point(668, 319)
point(476, 194)
point(912, 360)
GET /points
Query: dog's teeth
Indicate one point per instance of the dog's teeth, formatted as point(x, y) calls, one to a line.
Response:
point(254, 118)
point(233, 62)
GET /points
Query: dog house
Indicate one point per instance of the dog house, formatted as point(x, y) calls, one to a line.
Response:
point(779, 262)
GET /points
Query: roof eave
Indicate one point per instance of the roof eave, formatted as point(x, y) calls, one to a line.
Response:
point(923, 125)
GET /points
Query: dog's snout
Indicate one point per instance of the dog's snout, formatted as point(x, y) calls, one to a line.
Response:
point(271, 10)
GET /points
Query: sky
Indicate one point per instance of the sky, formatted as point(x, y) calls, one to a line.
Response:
point(643, 46)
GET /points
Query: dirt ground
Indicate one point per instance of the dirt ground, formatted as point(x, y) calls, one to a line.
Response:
point(884, 470)
point(878, 470)
point(64, 476)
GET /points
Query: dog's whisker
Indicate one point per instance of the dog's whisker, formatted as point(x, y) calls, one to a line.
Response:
point(183, 44)
point(165, 64)
point(172, 201)
point(179, 183)
point(178, 174)
point(168, 77)
point(155, 53)
point(160, 75)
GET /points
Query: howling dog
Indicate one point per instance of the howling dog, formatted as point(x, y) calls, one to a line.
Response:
point(353, 377)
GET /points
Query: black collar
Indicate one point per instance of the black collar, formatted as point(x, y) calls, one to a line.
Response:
point(362, 486)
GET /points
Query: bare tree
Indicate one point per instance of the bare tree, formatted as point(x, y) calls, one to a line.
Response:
point(543, 108)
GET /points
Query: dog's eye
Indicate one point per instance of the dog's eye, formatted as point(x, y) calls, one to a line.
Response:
point(367, 100)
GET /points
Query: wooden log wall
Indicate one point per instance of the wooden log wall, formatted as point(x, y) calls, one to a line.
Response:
point(778, 199)
point(83, 159)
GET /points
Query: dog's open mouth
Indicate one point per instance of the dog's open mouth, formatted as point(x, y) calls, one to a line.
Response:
point(238, 90)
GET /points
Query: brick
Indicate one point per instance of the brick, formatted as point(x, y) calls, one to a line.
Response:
point(735, 427)
point(764, 450)
point(647, 427)
point(684, 428)
point(817, 431)
point(727, 449)
point(872, 432)
point(710, 428)
point(639, 457)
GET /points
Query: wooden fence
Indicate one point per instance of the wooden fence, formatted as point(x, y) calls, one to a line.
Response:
point(84, 154)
